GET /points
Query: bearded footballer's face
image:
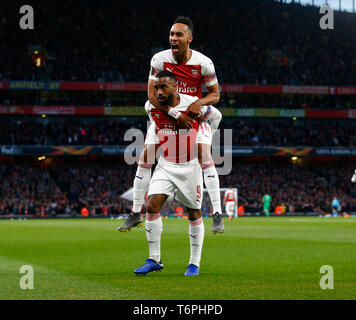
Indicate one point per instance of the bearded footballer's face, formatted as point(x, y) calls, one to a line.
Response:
point(164, 89)
point(179, 39)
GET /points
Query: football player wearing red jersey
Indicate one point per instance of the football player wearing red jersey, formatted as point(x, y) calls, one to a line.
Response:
point(191, 69)
point(178, 172)
point(230, 202)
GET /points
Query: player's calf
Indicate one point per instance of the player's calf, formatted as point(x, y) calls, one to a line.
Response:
point(196, 237)
point(140, 186)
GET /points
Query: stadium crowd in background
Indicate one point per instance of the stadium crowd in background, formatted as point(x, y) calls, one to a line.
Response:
point(273, 43)
point(105, 99)
point(287, 132)
point(245, 132)
point(28, 190)
point(300, 189)
point(66, 189)
point(74, 131)
point(95, 187)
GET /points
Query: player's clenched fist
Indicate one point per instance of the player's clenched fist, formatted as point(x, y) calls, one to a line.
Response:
point(185, 122)
point(194, 109)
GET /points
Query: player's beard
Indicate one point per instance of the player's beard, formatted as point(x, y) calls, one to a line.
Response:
point(167, 100)
point(170, 99)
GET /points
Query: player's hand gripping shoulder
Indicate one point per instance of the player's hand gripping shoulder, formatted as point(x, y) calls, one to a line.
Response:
point(185, 122)
point(194, 109)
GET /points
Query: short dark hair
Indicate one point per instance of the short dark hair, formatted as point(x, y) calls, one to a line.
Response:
point(165, 73)
point(186, 21)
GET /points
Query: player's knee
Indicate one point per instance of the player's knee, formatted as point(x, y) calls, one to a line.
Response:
point(207, 164)
point(194, 214)
point(153, 205)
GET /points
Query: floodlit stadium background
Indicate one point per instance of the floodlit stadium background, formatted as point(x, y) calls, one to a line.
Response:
point(71, 88)
point(67, 98)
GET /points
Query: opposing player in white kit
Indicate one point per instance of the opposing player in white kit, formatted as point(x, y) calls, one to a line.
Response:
point(191, 69)
point(353, 179)
point(178, 169)
point(230, 202)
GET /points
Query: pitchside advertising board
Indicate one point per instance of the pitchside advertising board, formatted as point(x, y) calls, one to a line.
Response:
point(134, 86)
point(34, 85)
point(139, 111)
point(120, 150)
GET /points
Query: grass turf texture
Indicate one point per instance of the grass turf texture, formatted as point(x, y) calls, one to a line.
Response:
point(256, 258)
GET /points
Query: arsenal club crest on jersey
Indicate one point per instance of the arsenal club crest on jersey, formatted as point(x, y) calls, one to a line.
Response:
point(195, 72)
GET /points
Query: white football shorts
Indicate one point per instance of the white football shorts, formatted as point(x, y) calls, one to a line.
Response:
point(230, 208)
point(184, 178)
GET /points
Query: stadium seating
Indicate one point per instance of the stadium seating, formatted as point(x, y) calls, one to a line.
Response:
point(245, 132)
point(65, 189)
point(272, 43)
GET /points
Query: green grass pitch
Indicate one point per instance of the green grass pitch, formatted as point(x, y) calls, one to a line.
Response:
point(256, 258)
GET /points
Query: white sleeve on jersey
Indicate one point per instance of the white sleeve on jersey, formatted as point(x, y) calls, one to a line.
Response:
point(148, 108)
point(151, 136)
point(208, 72)
point(213, 115)
point(187, 100)
point(156, 66)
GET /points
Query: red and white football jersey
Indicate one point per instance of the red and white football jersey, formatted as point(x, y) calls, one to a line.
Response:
point(230, 195)
point(190, 75)
point(178, 145)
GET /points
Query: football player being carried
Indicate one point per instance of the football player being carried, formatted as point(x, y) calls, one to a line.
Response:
point(191, 69)
point(178, 174)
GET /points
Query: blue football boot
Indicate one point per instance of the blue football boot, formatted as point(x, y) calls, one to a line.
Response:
point(192, 270)
point(149, 266)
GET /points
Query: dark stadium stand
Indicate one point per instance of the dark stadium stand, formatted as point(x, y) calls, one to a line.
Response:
point(64, 189)
point(287, 89)
point(270, 42)
point(245, 132)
